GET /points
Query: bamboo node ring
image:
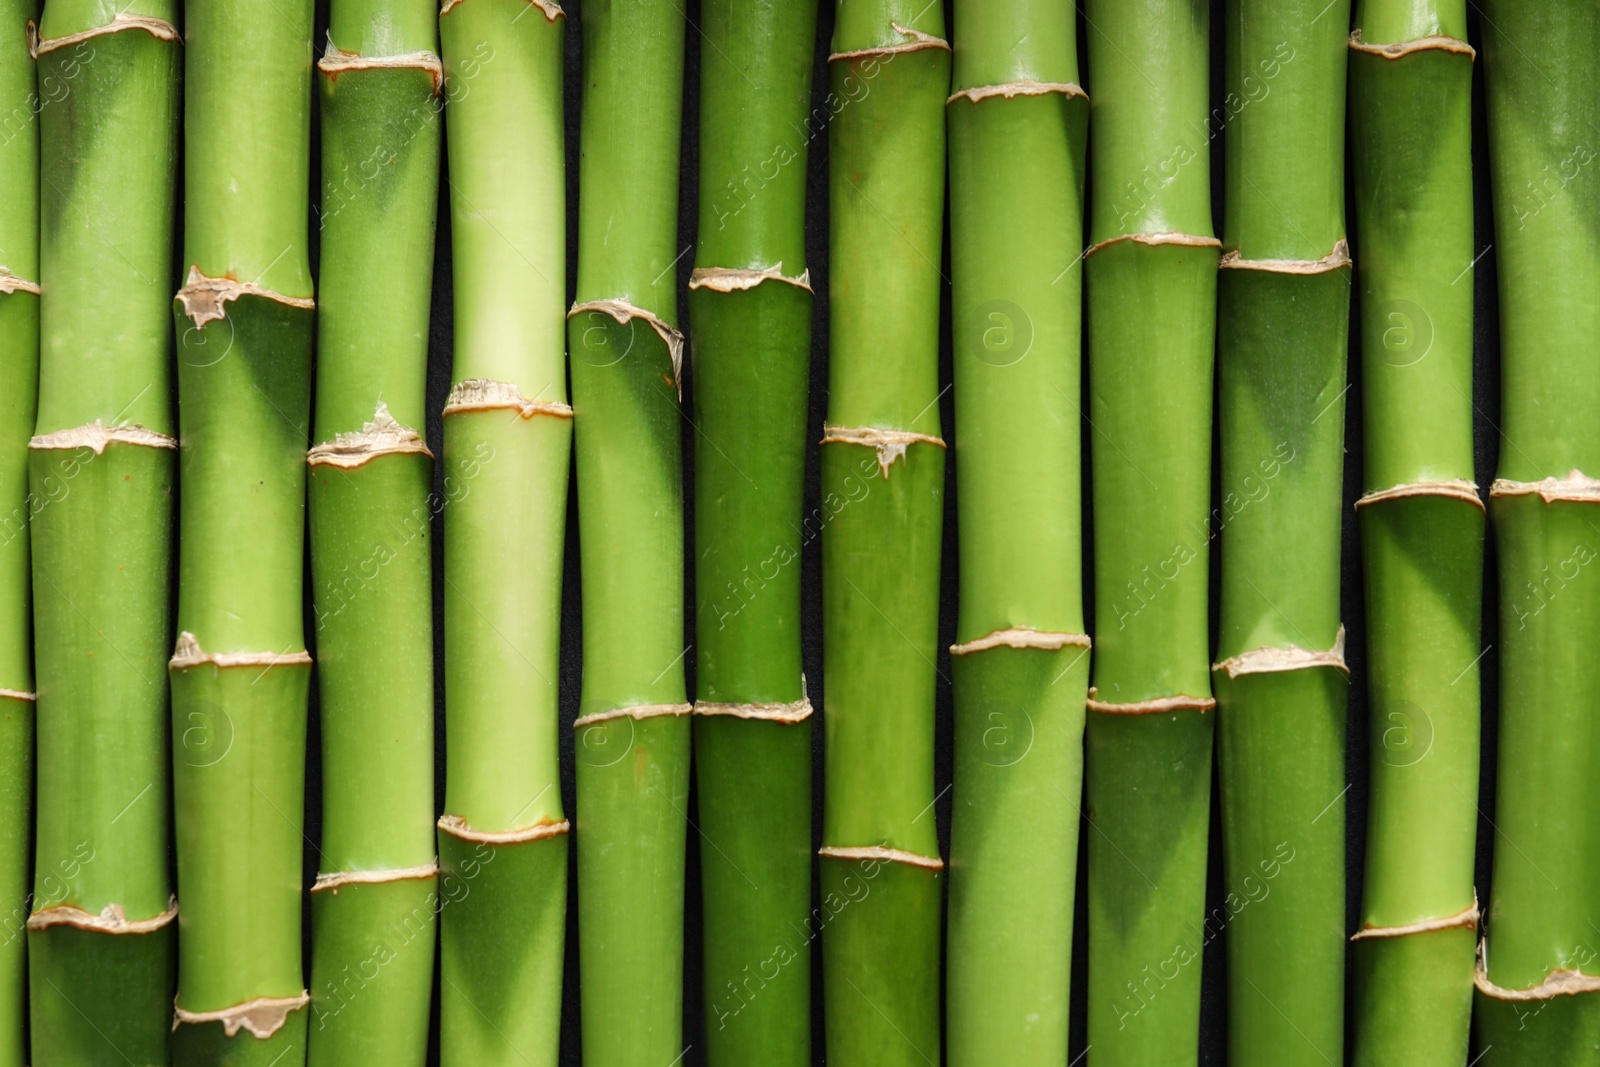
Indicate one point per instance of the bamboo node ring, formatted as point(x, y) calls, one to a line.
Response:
point(160, 29)
point(891, 444)
point(636, 712)
point(97, 435)
point(261, 1017)
point(382, 436)
point(881, 853)
point(335, 879)
point(1291, 658)
point(205, 299)
point(733, 279)
point(624, 312)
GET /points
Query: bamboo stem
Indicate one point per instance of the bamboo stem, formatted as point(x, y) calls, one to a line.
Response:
point(1283, 309)
point(750, 301)
point(1422, 529)
point(881, 450)
point(1538, 977)
point(376, 896)
point(240, 673)
point(1016, 121)
point(507, 442)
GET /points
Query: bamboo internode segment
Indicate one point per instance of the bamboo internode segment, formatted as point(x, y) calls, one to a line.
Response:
point(1466, 918)
point(1338, 259)
point(457, 827)
point(1154, 240)
point(738, 279)
point(260, 1018)
point(624, 312)
point(916, 41)
point(188, 654)
point(1009, 90)
point(1289, 658)
point(335, 880)
point(486, 394)
point(336, 61)
point(636, 712)
point(97, 435)
point(1159, 706)
point(160, 29)
point(879, 853)
point(382, 436)
point(1432, 43)
point(112, 919)
point(205, 299)
point(10, 283)
point(794, 711)
point(891, 445)
point(1455, 489)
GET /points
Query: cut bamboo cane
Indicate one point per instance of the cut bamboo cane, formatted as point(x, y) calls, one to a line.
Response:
point(1538, 974)
point(1152, 277)
point(881, 451)
point(375, 898)
point(750, 301)
point(1422, 529)
point(632, 734)
point(19, 368)
point(507, 443)
point(240, 672)
point(1283, 309)
point(100, 933)
point(1016, 121)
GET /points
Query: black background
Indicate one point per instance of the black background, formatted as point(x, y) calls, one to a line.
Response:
point(1214, 1016)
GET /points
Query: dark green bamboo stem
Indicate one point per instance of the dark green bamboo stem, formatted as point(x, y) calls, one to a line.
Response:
point(240, 672)
point(882, 451)
point(633, 726)
point(750, 302)
point(101, 933)
point(375, 898)
point(1152, 276)
point(507, 444)
point(1016, 123)
point(1539, 976)
point(1422, 528)
point(19, 368)
point(1283, 309)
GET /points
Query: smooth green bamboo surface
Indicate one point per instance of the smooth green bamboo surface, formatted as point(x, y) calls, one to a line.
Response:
point(1538, 999)
point(240, 673)
point(101, 946)
point(376, 895)
point(1281, 686)
point(19, 366)
point(1016, 208)
point(507, 444)
point(881, 449)
point(1422, 529)
point(750, 312)
point(633, 727)
point(1152, 277)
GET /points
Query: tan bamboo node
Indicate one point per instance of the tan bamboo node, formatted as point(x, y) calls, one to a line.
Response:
point(18, 694)
point(160, 29)
point(1338, 259)
point(336, 61)
point(383, 436)
point(891, 444)
point(1154, 239)
point(1577, 487)
point(337, 879)
point(457, 827)
point(1019, 88)
point(636, 712)
point(623, 311)
point(189, 654)
point(10, 283)
point(111, 920)
point(1432, 43)
point(204, 298)
point(733, 279)
point(879, 852)
point(261, 1017)
point(1158, 706)
point(1465, 918)
point(551, 9)
point(97, 435)
point(1293, 658)
point(795, 711)
point(1456, 489)
point(1557, 983)
point(918, 41)
point(486, 394)
point(1021, 637)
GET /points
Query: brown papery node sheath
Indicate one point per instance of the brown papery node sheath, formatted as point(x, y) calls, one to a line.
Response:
point(160, 29)
point(261, 1017)
point(206, 299)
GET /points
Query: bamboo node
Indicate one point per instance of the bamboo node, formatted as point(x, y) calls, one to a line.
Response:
point(10, 283)
point(1158, 706)
point(261, 1017)
point(188, 654)
point(205, 299)
point(336, 61)
point(1338, 259)
point(486, 394)
point(1171, 237)
point(19, 694)
point(457, 827)
point(97, 435)
point(112, 919)
point(1455, 489)
point(1292, 658)
point(792, 712)
point(1466, 918)
point(1436, 42)
point(734, 279)
point(383, 436)
point(551, 9)
point(916, 41)
point(891, 444)
point(1021, 637)
point(1577, 487)
point(882, 854)
point(624, 312)
point(636, 712)
point(334, 880)
point(1558, 983)
point(1017, 88)
point(160, 29)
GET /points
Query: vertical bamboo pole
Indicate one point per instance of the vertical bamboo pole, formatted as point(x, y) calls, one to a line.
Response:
point(1016, 122)
point(1283, 309)
point(633, 726)
point(1152, 276)
point(19, 368)
point(1538, 974)
point(240, 671)
point(1422, 528)
point(101, 934)
point(750, 300)
point(375, 897)
point(507, 442)
point(880, 555)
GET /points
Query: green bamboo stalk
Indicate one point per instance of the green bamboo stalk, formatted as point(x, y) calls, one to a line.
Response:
point(507, 443)
point(1422, 528)
point(375, 898)
point(882, 452)
point(750, 300)
point(100, 935)
point(19, 369)
point(1538, 974)
point(632, 734)
point(240, 672)
point(1152, 276)
point(1283, 309)
point(1016, 122)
